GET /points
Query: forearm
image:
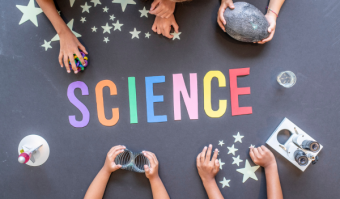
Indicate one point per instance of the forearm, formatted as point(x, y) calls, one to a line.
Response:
point(275, 5)
point(274, 190)
point(98, 185)
point(212, 189)
point(158, 189)
point(52, 14)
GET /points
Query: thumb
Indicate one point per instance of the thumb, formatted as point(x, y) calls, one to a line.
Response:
point(175, 25)
point(116, 167)
point(271, 27)
point(153, 5)
point(82, 48)
point(146, 169)
point(231, 5)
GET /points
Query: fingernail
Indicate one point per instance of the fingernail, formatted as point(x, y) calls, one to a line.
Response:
point(210, 145)
point(68, 71)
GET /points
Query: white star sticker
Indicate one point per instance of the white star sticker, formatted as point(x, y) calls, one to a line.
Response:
point(117, 25)
point(46, 45)
point(248, 171)
point(29, 12)
point(220, 142)
point(238, 137)
point(176, 35)
point(105, 9)
point(96, 2)
point(86, 8)
point(106, 39)
point(83, 19)
point(70, 26)
point(135, 33)
point(144, 12)
point(237, 160)
point(124, 3)
point(232, 150)
point(225, 182)
point(252, 146)
point(147, 35)
point(94, 29)
point(221, 163)
point(107, 28)
point(72, 2)
point(112, 17)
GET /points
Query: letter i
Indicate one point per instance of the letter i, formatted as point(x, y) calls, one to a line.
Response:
point(133, 100)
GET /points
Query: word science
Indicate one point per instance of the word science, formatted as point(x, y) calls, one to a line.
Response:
point(179, 89)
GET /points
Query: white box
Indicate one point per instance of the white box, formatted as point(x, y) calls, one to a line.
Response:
point(274, 143)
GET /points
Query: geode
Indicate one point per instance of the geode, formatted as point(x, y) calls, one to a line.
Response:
point(246, 23)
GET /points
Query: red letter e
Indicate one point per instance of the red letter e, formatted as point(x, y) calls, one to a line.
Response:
point(235, 92)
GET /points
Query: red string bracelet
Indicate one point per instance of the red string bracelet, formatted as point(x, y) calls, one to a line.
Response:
point(272, 11)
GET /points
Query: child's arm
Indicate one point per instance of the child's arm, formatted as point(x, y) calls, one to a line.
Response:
point(265, 158)
point(69, 43)
point(163, 8)
point(163, 26)
point(207, 169)
point(273, 10)
point(157, 186)
point(98, 185)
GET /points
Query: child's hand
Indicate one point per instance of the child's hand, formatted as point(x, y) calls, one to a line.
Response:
point(151, 172)
point(262, 156)
point(109, 165)
point(162, 8)
point(271, 18)
point(163, 26)
point(224, 5)
point(69, 45)
point(207, 169)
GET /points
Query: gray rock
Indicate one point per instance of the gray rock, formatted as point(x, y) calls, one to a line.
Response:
point(246, 23)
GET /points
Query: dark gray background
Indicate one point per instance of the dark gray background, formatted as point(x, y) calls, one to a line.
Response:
point(34, 101)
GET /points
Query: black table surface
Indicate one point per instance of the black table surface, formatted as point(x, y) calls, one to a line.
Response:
point(34, 101)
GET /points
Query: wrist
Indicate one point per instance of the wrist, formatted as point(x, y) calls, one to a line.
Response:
point(208, 180)
point(271, 14)
point(63, 30)
point(209, 183)
point(271, 166)
point(105, 171)
point(154, 178)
